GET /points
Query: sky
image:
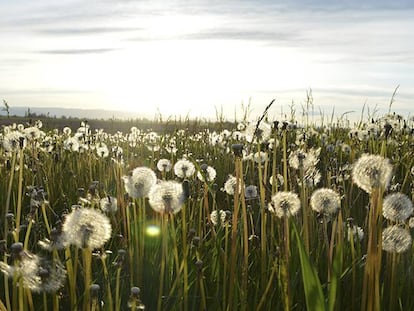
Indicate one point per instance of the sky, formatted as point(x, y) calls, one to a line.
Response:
point(197, 58)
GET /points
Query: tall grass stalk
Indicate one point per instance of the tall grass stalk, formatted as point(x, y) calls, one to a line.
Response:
point(71, 272)
point(263, 227)
point(305, 210)
point(244, 242)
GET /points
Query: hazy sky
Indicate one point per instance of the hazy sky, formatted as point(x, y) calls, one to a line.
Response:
point(191, 57)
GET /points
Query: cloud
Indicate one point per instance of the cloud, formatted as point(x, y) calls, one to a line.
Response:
point(77, 51)
point(85, 30)
point(243, 34)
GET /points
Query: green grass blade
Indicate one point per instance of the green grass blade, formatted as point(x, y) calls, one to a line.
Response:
point(311, 283)
point(335, 276)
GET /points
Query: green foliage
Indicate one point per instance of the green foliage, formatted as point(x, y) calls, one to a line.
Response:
point(311, 283)
point(242, 259)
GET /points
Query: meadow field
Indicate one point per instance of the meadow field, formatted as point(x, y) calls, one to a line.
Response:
point(247, 215)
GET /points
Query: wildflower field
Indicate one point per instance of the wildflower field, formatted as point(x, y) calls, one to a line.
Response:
point(261, 215)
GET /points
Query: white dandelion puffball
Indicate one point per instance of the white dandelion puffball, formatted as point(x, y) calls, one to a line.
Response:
point(325, 201)
point(284, 204)
point(139, 183)
point(207, 173)
point(396, 239)
point(220, 217)
point(397, 207)
point(372, 171)
point(164, 165)
point(184, 168)
point(86, 227)
point(230, 185)
point(109, 204)
point(167, 197)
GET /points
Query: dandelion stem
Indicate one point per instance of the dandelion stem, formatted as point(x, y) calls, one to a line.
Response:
point(19, 196)
point(45, 218)
point(394, 262)
point(286, 265)
point(185, 254)
point(87, 266)
point(9, 191)
point(263, 238)
point(110, 302)
point(44, 302)
point(117, 286)
point(6, 288)
point(27, 235)
point(164, 251)
point(234, 244)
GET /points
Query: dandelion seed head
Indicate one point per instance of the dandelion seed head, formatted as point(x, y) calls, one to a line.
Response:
point(184, 168)
point(109, 204)
point(372, 171)
point(220, 217)
point(139, 182)
point(260, 157)
point(397, 207)
point(86, 227)
point(241, 126)
point(164, 165)
point(396, 239)
point(250, 192)
point(311, 178)
point(284, 204)
point(167, 197)
point(57, 241)
point(51, 277)
point(278, 179)
point(306, 160)
point(258, 132)
point(102, 150)
point(71, 144)
point(325, 201)
point(356, 232)
point(230, 185)
point(36, 273)
point(67, 131)
point(346, 148)
point(32, 133)
point(12, 141)
point(209, 174)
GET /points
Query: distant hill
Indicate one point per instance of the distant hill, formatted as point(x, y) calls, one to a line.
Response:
point(109, 121)
point(73, 113)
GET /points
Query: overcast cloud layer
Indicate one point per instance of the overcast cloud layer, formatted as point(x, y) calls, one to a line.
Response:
point(70, 53)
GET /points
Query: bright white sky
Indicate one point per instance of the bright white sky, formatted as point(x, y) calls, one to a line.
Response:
point(189, 57)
